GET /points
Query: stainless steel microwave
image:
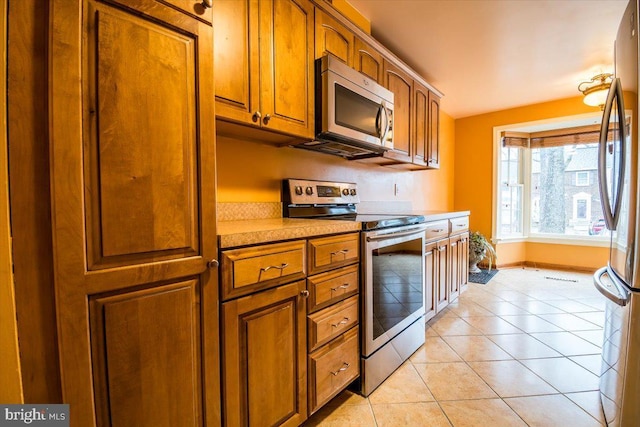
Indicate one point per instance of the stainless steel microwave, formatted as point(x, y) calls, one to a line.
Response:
point(354, 114)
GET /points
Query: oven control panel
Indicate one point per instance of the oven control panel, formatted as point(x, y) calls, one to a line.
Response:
point(309, 192)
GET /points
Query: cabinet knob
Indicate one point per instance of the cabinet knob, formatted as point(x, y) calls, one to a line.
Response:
point(304, 293)
point(213, 263)
point(266, 119)
point(207, 3)
point(256, 117)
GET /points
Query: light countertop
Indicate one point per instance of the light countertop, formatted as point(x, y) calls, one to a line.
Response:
point(256, 231)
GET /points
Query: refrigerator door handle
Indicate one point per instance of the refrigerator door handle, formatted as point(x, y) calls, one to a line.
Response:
point(611, 213)
point(613, 291)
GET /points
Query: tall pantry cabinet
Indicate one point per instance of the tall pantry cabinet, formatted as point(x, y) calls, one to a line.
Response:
point(132, 137)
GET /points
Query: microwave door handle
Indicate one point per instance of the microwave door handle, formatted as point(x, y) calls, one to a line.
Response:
point(387, 123)
point(602, 159)
point(378, 120)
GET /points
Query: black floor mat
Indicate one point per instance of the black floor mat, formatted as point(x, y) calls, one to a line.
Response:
point(483, 277)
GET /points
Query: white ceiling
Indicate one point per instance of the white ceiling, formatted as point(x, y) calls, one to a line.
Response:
point(488, 55)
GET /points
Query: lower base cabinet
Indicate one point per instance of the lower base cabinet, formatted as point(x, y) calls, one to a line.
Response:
point(459, 261)
point(446, 263)
point(265, 357)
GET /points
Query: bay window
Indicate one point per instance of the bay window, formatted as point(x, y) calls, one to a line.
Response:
point(547, 184)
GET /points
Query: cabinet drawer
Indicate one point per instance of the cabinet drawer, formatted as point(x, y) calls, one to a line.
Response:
point(333, 367)
point(459, 225)
point(437, 230)
point(333, 286)
point(330, 252)
point(251, 269)
point(327, 324)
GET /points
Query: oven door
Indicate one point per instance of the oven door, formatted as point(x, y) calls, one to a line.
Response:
point(394, 282)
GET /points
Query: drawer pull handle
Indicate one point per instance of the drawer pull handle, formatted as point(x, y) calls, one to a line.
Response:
point(438, 230)
point(279, 267)
point(345, 366)
point(345, 286)
point(342, 322)
point(343, 252)
point(461, 225)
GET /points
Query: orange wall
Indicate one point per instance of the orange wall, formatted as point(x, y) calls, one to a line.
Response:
point(252, 172)
point(542, 254)
point(473, 184)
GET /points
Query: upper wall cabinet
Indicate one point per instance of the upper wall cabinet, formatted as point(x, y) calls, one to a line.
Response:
point(420, 124)
point(416, 124)
point(368, 61)
point(264, 66)
point(401, 84)
point(433, 142)
point(333, 37)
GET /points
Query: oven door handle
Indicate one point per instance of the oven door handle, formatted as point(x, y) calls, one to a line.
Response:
point(394, 235)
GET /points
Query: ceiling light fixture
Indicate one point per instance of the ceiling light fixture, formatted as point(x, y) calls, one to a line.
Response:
point(595, 91)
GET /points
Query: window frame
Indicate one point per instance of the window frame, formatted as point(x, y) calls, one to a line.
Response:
point(588, 176)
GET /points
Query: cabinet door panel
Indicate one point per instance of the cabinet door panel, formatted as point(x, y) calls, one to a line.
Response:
point(442, 274)
point(431, 281)
point(368, 61)
point(143, 189)
point(236, 59)
point(286, 66)
point(434, 130)
point(264, 358)
point(421, 121)
point(454, 277)
point(401, 84)
point(334, 38)
point(463, 260)
point(145, 346)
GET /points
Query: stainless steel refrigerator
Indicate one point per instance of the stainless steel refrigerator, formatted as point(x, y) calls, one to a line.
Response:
point(619, 281)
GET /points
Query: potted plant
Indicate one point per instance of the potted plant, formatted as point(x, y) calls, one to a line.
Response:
point(479, 249)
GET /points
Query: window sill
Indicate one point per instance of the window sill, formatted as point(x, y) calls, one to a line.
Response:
point(558, 240)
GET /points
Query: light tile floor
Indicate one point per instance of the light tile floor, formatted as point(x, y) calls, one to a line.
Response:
point(523, 350)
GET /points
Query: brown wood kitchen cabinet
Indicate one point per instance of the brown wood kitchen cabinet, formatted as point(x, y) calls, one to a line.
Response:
point(334, 353)
point(433, 139)
point(264, 67)
point(446, 262)
point(437, 265)
point(133, 212)
point(368, 61)
point(416, 122)
point(289, 344)
point(334, 38)
point(401, 84)
point(264, 363)
point(264, 334)
point(420, 133)
point(459, 242)
point(426, 127)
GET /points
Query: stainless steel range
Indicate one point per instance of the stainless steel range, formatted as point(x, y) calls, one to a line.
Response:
point(392, 280)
